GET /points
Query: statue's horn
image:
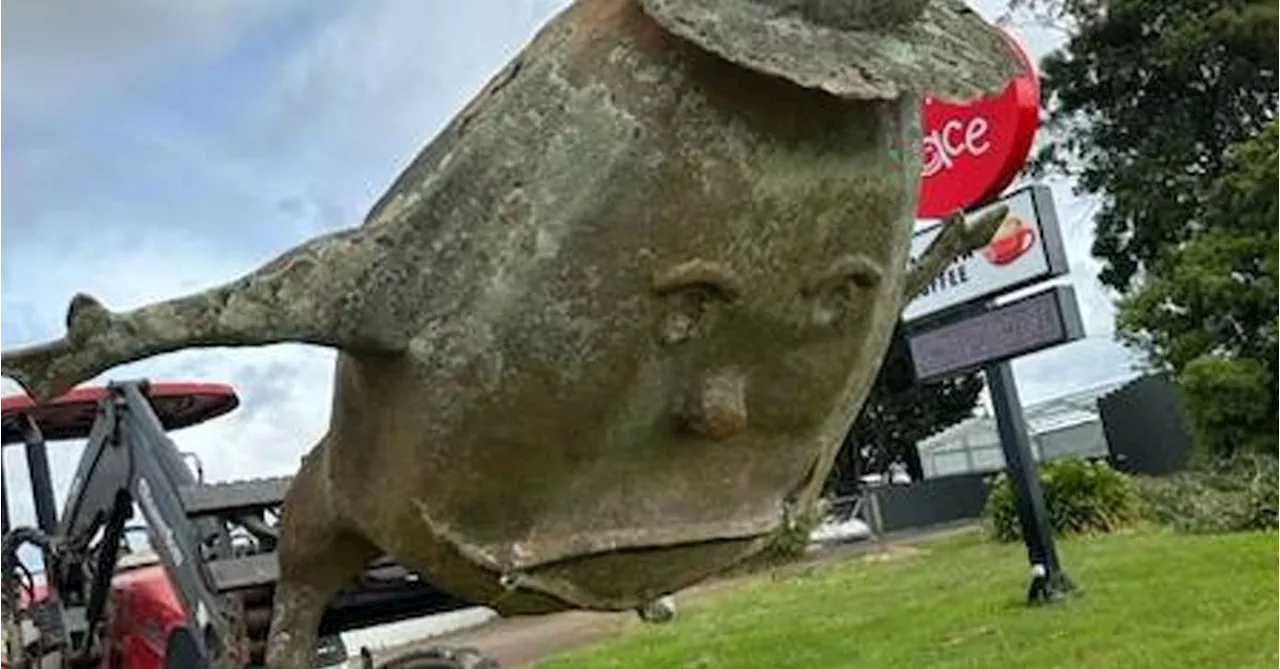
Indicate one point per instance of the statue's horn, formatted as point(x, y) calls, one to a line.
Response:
point(855, 49)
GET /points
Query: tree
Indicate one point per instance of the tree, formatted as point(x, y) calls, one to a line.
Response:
point(1166, 110)
point(1207, 308)
point(1143, 101)
point(897, 415)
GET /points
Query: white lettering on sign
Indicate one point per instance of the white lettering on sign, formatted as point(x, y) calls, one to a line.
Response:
point(954, 275)
point(954, 139)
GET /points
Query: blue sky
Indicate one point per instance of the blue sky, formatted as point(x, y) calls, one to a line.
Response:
point(152, 148)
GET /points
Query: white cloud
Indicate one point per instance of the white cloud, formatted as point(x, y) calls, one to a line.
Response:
point(379, 81)
point(57, 52)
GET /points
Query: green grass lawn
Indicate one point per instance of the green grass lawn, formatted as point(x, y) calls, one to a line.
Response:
point(1147, 599)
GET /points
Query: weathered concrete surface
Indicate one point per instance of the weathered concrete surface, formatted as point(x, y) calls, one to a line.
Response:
point(598, 340)
point(857, 49)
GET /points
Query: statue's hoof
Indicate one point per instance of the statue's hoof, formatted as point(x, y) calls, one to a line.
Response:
point(47, 371)
point(660, 610)
point(86, 317)
point(36, 369)
point(979, 231)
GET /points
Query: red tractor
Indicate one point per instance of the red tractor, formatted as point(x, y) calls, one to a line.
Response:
point(200, 595)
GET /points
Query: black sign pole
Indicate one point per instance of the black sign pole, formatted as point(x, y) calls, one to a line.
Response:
point(947, 339)
point(1048, 580)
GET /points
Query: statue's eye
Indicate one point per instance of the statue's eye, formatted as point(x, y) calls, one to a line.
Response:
point(835, 295)
point(692, 293)
point(833, 306)
point(689, 312)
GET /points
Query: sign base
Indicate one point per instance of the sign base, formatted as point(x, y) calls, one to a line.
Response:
point(1048, 588)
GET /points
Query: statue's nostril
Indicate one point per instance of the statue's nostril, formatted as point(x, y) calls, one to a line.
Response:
point(718, 406)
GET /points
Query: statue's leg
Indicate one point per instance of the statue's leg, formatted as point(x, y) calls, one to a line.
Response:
point(328, 291)
point(318, 556)
point(958, 236)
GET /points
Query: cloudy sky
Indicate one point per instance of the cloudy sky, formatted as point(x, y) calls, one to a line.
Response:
point(152, 148)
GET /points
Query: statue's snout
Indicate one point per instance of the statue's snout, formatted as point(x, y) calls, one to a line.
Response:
point(716, 406)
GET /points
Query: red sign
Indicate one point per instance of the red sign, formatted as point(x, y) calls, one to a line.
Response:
point(973, 151)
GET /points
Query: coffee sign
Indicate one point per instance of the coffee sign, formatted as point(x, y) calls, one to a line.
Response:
point(973, 151)
point(1025, 249)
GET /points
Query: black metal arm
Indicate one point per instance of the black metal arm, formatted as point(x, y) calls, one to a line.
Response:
point(214, 541)
point(130, 459)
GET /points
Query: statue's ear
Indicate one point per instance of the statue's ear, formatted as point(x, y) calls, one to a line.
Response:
point(875, 49)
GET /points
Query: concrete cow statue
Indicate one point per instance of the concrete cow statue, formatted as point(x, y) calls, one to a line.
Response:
point(604, 334)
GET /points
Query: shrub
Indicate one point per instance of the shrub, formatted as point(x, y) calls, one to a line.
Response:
point(789, 544)
point(1226, 402)
point(1232, 494)
point(1082, 497)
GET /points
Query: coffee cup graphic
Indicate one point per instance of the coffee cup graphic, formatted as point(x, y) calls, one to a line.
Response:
point(1013, 238)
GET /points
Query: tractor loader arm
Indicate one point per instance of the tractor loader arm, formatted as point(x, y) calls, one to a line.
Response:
point(129, 459)
point(214, 542)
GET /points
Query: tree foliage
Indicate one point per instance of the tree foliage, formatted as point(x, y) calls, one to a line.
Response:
point(1207, 308)
point(897, 415)
point(1166, 110)
point(1225, 399)
point(1143, 101)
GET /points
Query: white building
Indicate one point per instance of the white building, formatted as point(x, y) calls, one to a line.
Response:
point(1067, 425)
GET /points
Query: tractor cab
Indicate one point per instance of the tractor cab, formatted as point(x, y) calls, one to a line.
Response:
point(193, 589)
